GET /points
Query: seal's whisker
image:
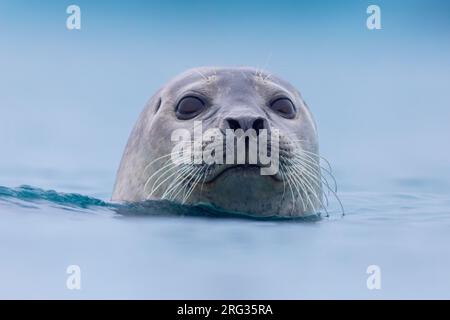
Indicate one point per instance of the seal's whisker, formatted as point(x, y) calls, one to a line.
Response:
point(300, 192)
point(314, 165)
point(309, 172)
point(184, 176)
point(290, 184)
point(194, 183)
point(338, 200)
point(284, 182)
point(166, 155)
point(330, 169)
point(306, 191)
point(310, 154)
point(267, 77)
point(244, 75)
point(190, 176)
point(292, 191)
point(155, 160)
point(312, 170)
point(321, 157)
point(336, 197)
point(201, 74)
point(157, 185)
point(171, 166)
point(159, 158)
point(315, 176)
point(155, 188)
point(305, 186)
point(161, 175)
point(204, 178)
point(305, 175)
point(294, 141)
point(188, 183)
point(177, 184)
point(329, 172)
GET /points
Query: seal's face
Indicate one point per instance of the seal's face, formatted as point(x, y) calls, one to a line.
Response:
point(227, 100)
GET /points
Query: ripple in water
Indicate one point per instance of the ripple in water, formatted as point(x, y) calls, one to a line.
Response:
point(29, 197)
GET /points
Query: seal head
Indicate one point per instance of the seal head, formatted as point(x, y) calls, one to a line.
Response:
point(223, 100)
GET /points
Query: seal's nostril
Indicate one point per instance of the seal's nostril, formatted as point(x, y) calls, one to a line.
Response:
point(258, 124)
point(246, 123)
point(233, 124)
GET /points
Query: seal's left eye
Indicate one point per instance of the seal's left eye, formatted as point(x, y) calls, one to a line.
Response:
point(284, 107)
point(189, 107)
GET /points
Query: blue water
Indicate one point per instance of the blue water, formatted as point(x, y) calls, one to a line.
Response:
point(68, 101)
point(166, 251)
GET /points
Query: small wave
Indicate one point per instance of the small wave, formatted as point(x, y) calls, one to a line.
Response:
point(32, 194)
point(27, 197)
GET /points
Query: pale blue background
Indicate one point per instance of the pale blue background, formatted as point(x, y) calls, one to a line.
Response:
point(68, 100)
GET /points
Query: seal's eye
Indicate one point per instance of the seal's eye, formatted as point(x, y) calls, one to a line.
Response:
point(284, 107)
point(189, 107)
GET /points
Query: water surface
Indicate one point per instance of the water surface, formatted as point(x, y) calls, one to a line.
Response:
point(170, 252)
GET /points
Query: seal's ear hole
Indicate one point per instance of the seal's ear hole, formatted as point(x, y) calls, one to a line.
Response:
point(158, 105)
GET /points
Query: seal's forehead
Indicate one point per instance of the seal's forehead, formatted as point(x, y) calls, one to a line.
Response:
point(208, 79)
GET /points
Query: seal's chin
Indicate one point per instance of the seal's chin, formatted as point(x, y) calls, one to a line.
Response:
point(242, 170)
point(242, 189)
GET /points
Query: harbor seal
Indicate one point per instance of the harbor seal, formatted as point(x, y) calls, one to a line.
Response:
point(230, 100)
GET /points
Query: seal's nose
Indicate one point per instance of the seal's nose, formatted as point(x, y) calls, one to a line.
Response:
point(246, 123)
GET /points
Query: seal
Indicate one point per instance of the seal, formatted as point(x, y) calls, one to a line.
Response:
point(241, 99)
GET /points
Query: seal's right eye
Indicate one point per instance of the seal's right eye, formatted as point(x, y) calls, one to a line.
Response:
point(189, 107)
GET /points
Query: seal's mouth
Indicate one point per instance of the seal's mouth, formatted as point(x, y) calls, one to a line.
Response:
point(237, 169)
